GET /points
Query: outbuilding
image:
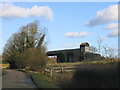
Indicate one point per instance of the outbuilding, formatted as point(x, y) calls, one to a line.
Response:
point(74, 55)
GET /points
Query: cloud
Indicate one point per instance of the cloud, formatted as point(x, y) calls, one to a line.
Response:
point(11, 11)
point(111, 26)
point(77, 34)
point(104, 16)
point(114, 27)
point(113, 33)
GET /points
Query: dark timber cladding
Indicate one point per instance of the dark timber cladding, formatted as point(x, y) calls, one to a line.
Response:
point(74, 55)
point(67, 55)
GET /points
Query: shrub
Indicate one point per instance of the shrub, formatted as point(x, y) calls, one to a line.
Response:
point(36, 58)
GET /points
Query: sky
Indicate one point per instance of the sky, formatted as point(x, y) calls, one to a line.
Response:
point(69, 23)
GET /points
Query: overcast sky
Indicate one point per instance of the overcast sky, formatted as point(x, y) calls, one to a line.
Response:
point(68, 23)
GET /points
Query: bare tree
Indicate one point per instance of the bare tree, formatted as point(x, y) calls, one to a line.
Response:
point(99, 42)
point(109, 52)
point(105, 51)
point(93, 49)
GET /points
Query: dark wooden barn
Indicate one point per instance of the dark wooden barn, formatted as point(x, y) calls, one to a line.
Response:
point(74, 55)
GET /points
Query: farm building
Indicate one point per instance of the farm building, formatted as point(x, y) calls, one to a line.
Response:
point(74, 55)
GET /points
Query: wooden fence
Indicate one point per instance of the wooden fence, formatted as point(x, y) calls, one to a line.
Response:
point(51, 70)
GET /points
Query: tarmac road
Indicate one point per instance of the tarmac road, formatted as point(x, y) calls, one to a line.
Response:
point(16, 79)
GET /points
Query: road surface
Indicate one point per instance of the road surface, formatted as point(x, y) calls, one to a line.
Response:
point(16, 79)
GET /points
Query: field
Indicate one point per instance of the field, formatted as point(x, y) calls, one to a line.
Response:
point(112, 61)
point(3, 64)
point(89, 76)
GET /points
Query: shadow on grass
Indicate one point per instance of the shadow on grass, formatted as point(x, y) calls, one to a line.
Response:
point(90, 76)
point(104, 76)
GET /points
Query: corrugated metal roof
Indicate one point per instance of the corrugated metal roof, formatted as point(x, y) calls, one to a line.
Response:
point(60, 51)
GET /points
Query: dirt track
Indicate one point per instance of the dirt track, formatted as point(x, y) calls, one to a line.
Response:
point(16, 79)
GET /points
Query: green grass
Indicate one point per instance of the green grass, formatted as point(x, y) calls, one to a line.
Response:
point(42, 81)
point(84, 62)
point(23, 70)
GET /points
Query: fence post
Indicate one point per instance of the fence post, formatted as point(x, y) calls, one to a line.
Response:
point(62, 69)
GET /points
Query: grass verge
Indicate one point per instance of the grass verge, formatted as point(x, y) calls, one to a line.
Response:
point(41, 80)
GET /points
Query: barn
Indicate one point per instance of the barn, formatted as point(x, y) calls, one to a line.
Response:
point(74, 55)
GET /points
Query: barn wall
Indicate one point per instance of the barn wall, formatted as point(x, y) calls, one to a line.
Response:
point(76, 55)
point(92, 56)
